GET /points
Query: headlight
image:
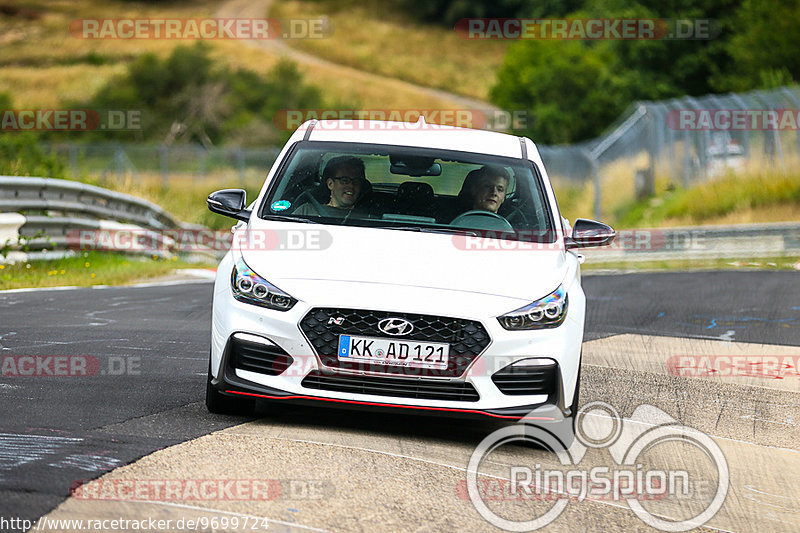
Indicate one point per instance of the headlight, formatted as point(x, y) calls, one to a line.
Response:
point(251, 288)
point(549, 312)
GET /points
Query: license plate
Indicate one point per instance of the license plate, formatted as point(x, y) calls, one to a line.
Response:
point(382, 351)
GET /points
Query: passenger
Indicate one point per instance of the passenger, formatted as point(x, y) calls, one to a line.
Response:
point(347, 183)
point(485, 188)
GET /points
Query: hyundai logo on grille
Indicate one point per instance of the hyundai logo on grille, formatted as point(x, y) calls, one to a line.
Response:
point(395, 326)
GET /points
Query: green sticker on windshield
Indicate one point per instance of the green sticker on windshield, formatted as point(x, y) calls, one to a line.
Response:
point(281, 205)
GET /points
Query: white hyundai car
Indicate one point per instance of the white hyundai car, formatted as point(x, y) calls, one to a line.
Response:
point(402, 266)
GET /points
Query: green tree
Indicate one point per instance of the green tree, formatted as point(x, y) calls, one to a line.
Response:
point(188, 97)
point(580, 87)
point(568, 89)
point(765, 49)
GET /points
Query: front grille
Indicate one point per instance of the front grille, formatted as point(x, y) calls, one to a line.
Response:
point(256, 357)
point(454, 391)
point(519, 380)
point(467, 338)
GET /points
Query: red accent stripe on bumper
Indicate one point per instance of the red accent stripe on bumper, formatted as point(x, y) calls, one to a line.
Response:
point(336, 400)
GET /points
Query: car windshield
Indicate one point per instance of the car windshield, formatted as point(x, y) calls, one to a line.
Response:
point(413, 189)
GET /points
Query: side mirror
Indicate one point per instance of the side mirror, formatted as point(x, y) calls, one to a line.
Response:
point(586, 233)
point(229, 202)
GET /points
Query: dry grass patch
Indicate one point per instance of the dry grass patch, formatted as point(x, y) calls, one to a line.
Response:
point(365, 38)
point(43, 64)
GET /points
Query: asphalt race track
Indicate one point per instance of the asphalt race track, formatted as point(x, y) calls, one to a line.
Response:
point(145, 349)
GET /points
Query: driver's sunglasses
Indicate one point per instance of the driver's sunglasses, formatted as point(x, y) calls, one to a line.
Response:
point(347, 180)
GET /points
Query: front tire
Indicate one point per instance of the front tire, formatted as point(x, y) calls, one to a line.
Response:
point(222, 404)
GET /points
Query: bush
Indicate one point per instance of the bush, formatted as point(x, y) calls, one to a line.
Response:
point(21, 155)
point(187, 97)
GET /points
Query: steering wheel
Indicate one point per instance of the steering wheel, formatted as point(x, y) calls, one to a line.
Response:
point(480, 219)
point(313, 201)
point(518, 214)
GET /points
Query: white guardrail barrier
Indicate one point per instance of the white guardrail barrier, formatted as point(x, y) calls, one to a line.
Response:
point(745, 241)
point(42, 218)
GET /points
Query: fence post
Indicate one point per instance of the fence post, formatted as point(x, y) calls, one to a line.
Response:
point(651, 123)
point(595, 169)
point(119, 161)
point(73, 159)
point(644, 184)
point(240, 165)
point(687, 159)
point(202, 162)
point(788, 92)
point(163, 163)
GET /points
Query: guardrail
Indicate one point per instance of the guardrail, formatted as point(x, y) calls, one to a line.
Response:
point(49, 214)
point(38, 214)
point(739, 241)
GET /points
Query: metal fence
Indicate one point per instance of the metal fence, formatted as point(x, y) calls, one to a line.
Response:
point(232, 165)
point(685, 141)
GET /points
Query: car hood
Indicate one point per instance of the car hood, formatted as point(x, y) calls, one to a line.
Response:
point(295, 257)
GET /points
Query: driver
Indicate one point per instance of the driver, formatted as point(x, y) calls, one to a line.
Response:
point(485, 188)
point(346, 181)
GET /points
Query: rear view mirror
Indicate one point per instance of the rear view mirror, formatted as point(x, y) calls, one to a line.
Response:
point(587, 233)
point(230, 203)
point(409, 165)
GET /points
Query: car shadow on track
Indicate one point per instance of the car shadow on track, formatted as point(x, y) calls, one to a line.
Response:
point(396, 425)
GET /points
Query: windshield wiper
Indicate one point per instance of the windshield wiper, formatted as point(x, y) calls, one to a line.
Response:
point(450, 231)
point(288, 218)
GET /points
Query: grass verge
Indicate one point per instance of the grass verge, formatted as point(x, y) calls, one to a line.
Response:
point(183, 198)
point(87, 269)
point(714, 199)
point(730, 199)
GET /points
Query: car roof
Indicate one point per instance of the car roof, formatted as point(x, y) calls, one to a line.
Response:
point(418, 133)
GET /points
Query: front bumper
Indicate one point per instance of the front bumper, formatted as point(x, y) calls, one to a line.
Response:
point(337, 386)
point(229, 381)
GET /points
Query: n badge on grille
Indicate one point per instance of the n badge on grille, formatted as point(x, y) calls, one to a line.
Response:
point(339, 320)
